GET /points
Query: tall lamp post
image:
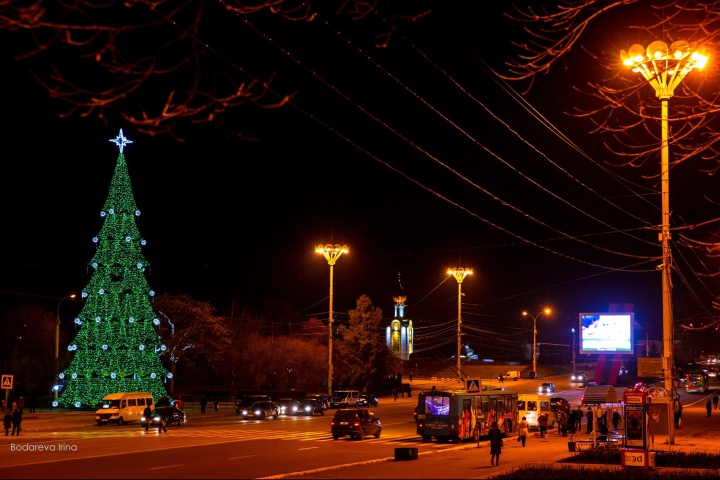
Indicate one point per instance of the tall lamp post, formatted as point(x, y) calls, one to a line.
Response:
point(331, 254)
point(664, 68)
point(57, 343)
point(459, 274)
point(534, 317)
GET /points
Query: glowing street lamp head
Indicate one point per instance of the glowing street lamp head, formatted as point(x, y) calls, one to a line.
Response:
point(662, 66)
point(331, 252)
point(459, 273)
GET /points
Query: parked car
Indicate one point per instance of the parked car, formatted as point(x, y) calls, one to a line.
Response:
point(173, 416)
point(288, 406)
point(368, 400)
point(546, 387)
point(712, 372)
point(312, 405)
point(261, 410)
point(356, 423)
point(577, 378)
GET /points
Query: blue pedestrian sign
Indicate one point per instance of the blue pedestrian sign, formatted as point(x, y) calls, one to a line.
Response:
point(473, 386)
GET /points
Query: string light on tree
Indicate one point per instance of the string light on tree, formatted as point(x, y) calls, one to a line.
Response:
point(110, 353)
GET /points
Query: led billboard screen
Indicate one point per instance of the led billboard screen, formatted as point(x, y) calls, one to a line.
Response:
point(606, 332)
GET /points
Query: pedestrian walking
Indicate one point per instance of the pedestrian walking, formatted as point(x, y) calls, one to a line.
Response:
point(708, 407)
point(21, 404)
point(163, 415)
point(543, 422)
point(32, 404)
point(523, 430)
point(496, 444)
point(410, 377)
point(147, 413)
point(16, 421)
point(716, 400)
point(7, 421)
point(395, 394)
point(216, 402)
point(203, 403)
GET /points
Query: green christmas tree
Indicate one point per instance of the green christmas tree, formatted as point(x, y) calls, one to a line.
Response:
point(117, 348)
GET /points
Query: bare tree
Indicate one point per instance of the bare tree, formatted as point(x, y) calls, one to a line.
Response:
point(160, 63)
point(589, 34)
point(191, 332)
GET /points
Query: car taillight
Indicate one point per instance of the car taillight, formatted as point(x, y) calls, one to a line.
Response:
point(332, 423)
point(452, 426)
point(356, 424)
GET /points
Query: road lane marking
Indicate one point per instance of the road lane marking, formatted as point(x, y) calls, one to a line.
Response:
point(244, 456)
point(307, 448)
point(167, 466)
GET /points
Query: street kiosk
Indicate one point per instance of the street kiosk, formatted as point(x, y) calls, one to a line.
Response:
point(635, 452)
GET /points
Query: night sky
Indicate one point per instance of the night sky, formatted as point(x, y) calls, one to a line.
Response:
point(362, 156)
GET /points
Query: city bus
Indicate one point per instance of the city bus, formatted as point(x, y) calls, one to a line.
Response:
point(456, 416)
point(697, 382)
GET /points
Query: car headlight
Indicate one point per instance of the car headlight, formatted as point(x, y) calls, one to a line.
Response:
point(307, 409)
point(257, 412)
point(245, 412)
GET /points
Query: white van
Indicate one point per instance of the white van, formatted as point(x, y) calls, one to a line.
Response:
point(530, 405)
point(512, 375)
point(345, 399)
point(123, 407)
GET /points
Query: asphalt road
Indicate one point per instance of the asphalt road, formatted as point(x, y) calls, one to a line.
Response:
point(215, 445)
point(222, 445)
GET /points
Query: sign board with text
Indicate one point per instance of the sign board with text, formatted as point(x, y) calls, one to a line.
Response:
point(636, 458)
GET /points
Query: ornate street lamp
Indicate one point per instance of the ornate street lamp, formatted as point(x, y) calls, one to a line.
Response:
point(459, 274)
point(664, 68)
point(534, 317)
point(331, 254)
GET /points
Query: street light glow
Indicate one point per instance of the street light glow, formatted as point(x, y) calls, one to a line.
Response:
point(331, 253)
point(664, 68)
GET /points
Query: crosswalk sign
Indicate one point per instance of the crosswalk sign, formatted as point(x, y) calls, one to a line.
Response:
point(7, 382)
point(473, 387)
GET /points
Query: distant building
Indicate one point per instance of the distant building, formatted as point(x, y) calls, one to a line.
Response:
point(399, 335)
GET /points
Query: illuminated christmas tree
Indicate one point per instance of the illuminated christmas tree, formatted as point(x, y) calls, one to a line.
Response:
point(117, 347)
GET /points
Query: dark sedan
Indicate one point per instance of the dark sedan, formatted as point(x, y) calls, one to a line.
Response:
point(358, 423)
point(261, 410)
point(368, 400)
point(173, 416)
point(289, 406)
point(311, 406)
